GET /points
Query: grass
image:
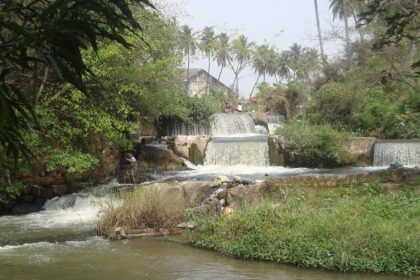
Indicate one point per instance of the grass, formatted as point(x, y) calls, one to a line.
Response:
point(145, 207)
point(349, 228)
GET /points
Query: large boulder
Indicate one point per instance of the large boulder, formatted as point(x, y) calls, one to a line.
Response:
point(191, 147)
point(259, 118)
point(156, 159)
point(361, 149)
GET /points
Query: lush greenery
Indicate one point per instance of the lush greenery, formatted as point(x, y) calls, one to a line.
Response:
point(315, 145)
point(349, 228)
point(145, 207)
point(362, 101)
point(42, 36)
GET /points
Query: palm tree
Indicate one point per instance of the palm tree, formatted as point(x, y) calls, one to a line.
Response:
point(318, 24)
point(241, 53)
point(294, 55)
point(207, 46)
point(222, 52)
point(260, 64)
point(189, 44)
point(340, 9)
point(282, 65)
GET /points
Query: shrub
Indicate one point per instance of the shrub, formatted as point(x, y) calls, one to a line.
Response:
point(314, 145)
point(145, 207)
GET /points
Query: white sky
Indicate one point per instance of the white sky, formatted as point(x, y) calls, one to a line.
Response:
point(278, 22)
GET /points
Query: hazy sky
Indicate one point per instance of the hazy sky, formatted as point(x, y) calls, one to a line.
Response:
point(278, 22)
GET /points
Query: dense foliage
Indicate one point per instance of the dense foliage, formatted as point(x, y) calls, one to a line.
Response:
point(315, 145)
point(349, 228)
point(38, 37)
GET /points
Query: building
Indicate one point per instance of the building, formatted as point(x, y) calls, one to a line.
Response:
point(197, 83)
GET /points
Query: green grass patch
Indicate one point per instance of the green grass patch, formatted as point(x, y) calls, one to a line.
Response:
point(348, 228)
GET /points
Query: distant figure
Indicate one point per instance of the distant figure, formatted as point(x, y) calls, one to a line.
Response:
point(227, 108)
point(239, 108)
point(130, 158)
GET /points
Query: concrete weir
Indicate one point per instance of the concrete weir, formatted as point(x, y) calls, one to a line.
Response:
point(235, 142)
point(406, 152)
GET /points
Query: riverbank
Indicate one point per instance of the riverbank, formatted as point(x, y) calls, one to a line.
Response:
point(350, 228)
point(365, 222)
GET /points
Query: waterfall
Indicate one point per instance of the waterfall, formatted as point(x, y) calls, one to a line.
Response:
point(231, 124)
point(173, 127)
point(274, 122)
point(406, 152)
point(235, 142)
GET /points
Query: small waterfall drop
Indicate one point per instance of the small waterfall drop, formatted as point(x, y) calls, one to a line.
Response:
point(231, 124)
point(235, 142)
point(406, 152)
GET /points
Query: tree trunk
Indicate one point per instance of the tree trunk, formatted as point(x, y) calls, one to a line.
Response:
point(220, 73)
point(346, 26)
point(253, 88)
point(318, 24)
point(188, 65)
point(362, 38)
point(207, 80)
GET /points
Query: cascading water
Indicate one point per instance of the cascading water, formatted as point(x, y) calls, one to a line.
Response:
point(406, 152)
point(235, 142)
point(273, 122)
point(177, 127)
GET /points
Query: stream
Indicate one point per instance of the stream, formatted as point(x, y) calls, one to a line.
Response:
point(59, 243)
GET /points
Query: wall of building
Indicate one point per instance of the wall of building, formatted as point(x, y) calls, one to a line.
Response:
point(197, 84)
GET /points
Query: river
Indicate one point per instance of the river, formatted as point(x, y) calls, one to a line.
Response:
point(59, 243)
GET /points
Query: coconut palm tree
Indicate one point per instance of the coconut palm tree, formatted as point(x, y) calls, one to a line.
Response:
point(189, 44)
point(282, 65)
point(318, 24)
point(222, 52)
point(241, 50)
point(260, 61)
point(340, 9)
point(207, 46)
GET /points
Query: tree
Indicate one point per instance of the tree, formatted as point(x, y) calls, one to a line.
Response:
point(264, 63)
point(340, 9)
point(241, 51)
point(222, 52)
point(189, 44)
point(50, 35)
point(318, 24)
point(207, 46)
point(282, 65)
point(400, 21)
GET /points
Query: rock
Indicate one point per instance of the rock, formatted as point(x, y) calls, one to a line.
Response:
point(227, 210)
point(59, 189)
point(237, 179)
point(120, 233)
point(219, 181)
point(194, 191)
point(27, 198)
point(221, 193)
point(196, 143)
point(24, 208)
point(187, 225)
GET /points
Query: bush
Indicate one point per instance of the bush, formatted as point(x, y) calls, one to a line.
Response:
point(314, 145)
point(350, 228)
point(145, 207)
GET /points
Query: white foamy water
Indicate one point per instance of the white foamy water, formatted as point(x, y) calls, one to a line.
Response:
point(235, 142)
point(391, 151)
point(231, 124)
point(81, 209)
point(95, 240)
